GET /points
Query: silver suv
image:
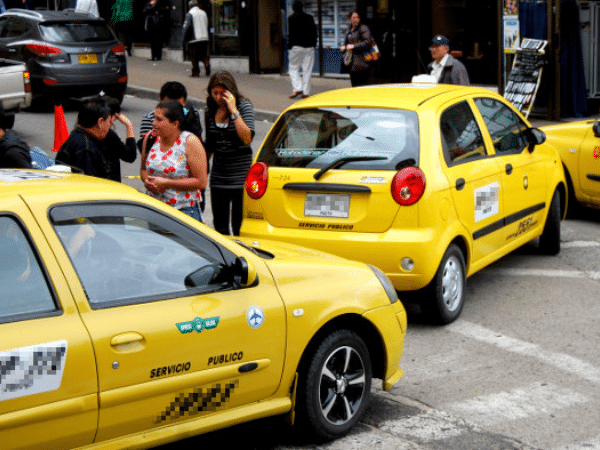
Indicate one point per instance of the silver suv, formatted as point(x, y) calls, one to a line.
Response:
point(68, 54)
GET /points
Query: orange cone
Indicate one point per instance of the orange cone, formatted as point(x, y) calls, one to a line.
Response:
point(61, 131)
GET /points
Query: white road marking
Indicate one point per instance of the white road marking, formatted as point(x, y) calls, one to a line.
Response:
point(522, 403)
point(544, 273)
point(579, 244)
point(428, 426)
point(562, 361)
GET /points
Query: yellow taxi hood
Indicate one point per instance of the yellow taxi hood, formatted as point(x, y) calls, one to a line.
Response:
point(409, 96)
point(283, 250)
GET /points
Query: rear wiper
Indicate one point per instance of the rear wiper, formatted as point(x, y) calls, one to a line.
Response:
point(343, 160)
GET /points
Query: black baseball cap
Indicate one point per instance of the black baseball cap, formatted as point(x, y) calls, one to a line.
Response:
point(440, 40)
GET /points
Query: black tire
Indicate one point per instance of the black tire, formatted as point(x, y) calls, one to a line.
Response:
point(334, 387)
point(550, 238)
point(573, 206)
point(444, 297)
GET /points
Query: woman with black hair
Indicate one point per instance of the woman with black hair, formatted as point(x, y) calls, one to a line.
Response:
point(229, 129)
point(174, 167)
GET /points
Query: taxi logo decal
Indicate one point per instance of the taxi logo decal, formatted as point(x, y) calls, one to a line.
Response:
point(197, 401)
point(255, 317)
point(32, 370)
point(23, 175)
point(597, 152)
point(198, 325)
point(487, 201)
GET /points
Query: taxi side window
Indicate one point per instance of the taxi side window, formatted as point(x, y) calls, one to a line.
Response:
point(125, 255)
point(24, 288)
point(461, 137)
point(505, 127)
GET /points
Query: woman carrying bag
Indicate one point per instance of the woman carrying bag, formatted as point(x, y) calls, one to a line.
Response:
point(358, 40)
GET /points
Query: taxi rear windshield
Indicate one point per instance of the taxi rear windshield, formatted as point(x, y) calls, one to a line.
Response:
point(383, 139)
point(76, 32)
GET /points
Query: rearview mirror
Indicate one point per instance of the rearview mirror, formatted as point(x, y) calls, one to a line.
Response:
point(535, 136)
point(244, 273)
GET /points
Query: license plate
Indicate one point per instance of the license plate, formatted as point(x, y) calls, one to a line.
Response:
point(327, 205)
point(88, 58)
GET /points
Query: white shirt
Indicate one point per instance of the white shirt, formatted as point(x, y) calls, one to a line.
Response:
point(436, 67)
point(200, 23)
point(87, 6)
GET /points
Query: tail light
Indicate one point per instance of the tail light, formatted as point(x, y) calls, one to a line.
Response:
point(118, 50)
point(27, 81)
point(44, 50)
point(257, 180)
point(408, 186)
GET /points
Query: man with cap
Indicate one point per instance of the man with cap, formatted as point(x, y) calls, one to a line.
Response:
point(444, 67)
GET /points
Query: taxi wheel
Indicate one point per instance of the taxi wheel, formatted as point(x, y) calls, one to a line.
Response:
point(550, 238)
point(334, 389)
point(445, 295)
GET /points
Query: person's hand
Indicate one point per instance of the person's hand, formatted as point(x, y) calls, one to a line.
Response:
point(151, 184)
point(230, 101)
point(123, 119)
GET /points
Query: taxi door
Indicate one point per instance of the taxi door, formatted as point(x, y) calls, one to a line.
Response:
point(589, 164)
point(523, 172)
point(48, 381)
point(475, 178)
point(174, 339)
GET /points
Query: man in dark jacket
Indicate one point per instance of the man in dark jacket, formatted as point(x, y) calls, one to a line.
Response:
point(14, 152)
point(302, 33)
point(444, 67)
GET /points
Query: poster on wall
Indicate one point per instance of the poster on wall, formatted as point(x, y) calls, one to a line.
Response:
point(511, 34)
point(511, 8)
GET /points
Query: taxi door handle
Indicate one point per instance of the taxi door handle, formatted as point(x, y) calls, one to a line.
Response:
point(460, 184)
point(126, 338)
point(509, 169)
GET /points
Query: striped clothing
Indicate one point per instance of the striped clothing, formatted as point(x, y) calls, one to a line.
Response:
point(231, 158)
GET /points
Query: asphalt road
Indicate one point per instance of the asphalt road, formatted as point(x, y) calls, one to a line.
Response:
point(520, 369)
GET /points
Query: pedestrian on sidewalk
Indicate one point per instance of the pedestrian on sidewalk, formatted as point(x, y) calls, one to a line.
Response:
point(302, 35)
point(155, 23)
point(444, 67)
point(358, 40)
point(229, 125)
point(122, 20)
point(195, 33)
point(87, 6)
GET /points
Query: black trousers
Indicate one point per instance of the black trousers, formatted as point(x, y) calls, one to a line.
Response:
point(227, 207)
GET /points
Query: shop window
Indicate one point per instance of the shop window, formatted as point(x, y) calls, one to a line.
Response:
point(225, 25)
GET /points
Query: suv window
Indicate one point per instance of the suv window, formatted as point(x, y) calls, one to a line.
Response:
point(505, 127)
point(317, 137)
point(24, 292)
point(127, 254)
point(461, 137)
point(66, 32)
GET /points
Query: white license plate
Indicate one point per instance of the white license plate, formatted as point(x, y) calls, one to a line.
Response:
point(327, 205)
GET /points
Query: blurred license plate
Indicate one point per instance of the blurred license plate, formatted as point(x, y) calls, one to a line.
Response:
point(327, 205)
point(88, 58)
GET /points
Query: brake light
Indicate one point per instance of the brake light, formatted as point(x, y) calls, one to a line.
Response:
point(408, 186)
point(118, 50)
point(44, 50)
point(27, 81)
point(257, 180)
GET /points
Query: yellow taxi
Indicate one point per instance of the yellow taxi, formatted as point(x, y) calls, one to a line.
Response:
point(578, 144)
point(126, 324)
point(428, 182)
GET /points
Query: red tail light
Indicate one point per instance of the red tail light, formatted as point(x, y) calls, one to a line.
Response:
point(44, 50)
point(27, 81)
point(257, 180)
point(408, 186)
point(118, 50)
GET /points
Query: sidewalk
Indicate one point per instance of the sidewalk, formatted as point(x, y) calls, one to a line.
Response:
point(268, 93)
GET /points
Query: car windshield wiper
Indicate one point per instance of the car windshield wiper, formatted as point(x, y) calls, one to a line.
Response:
point(343, 160)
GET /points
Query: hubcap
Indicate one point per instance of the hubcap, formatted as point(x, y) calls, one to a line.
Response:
point(452, 283)
point(342, 385)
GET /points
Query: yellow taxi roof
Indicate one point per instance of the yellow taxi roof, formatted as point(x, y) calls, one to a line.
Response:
point(402, 96)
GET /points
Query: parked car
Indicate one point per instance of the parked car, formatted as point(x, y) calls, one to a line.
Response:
point(68, 54)
point(428, 182)
point(125, 323)
point(578, 144)
point(15, 86)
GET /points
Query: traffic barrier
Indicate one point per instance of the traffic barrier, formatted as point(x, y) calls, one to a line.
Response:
point(61, 131)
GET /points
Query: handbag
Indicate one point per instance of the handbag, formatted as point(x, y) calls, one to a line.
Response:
point(372, 54)
point(348, 57)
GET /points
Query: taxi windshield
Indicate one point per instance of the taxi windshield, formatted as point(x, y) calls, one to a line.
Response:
point(366, 139)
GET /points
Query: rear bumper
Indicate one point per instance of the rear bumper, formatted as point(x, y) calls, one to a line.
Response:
point(383, 250)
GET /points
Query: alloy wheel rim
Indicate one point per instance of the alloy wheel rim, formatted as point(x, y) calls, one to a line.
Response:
point(452, 284)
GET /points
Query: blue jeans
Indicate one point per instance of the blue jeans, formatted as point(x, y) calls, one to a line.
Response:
point(193, 211)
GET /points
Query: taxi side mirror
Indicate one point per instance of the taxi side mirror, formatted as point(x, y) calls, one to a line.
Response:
point(596, 128)
point(535, 136)
point(244, 273)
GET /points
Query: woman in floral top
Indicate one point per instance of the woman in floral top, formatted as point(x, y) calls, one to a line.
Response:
point(174, 166)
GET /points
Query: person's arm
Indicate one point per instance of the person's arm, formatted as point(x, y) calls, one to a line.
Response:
point(244, 121)
point(18, 158)
point(196, 159)
point(127, 152)
point(143, 172)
